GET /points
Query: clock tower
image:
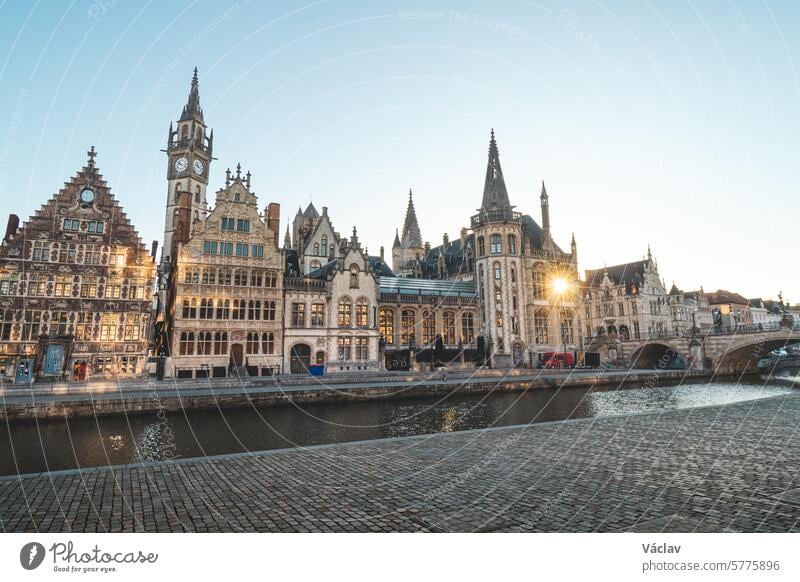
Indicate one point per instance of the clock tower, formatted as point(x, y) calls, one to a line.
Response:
point(189, 155)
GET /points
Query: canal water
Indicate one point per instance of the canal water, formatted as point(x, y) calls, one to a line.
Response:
point(27, 447)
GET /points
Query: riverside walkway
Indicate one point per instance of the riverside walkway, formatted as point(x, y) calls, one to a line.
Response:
point(712, 469)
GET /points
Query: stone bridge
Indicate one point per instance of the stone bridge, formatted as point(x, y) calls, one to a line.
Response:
point(724, 353)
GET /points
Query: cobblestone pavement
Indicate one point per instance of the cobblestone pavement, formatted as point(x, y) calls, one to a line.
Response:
point(724, 468)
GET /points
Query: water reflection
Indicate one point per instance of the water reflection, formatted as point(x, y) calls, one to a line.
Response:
point(60, 444)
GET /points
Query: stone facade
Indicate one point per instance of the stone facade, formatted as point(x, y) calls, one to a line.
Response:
point(227, 288)
point(625, 302)
point(75, 288)
point(330, 314)
point(512, 264)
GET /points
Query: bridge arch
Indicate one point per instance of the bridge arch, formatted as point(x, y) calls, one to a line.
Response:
point(742, 355)
point(658, 356)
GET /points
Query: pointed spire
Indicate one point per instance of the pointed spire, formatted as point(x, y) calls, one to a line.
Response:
point(412, 237)
point(227, 177)
point(287, 239)
point(192, 109)
point(543, 197)
point(247, 179)
point(649, 254)
point(495, 195)
point(239, 172)
point(396, 239)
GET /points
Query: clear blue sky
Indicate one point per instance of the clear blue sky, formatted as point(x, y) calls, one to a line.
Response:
point(673, 124)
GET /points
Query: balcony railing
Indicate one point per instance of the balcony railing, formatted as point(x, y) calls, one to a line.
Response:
point(486, 216)
point(199, 144)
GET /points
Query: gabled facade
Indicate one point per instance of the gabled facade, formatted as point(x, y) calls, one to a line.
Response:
point(627, 302)
point(330, 314)
point(314, 241)
point(75, 288)
point(227, 309)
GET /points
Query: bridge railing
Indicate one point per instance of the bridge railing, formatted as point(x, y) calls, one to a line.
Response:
point(714, 331)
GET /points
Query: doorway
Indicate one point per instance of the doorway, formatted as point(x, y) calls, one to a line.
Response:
point(300, 359)
point(237, 354)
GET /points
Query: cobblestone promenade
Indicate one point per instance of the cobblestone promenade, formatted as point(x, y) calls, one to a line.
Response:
point(729, 468)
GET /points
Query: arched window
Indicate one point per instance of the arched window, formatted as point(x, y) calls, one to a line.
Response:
point(467, 328)
point(185, 131)
point(209, 277)
point(187, 344)
point(345, 312)
point(513, 274)
point(254, 310)
point(324, 245)
point(240, 278)
point(190, 308)
point(497, 244)
point(428, 327)
point(449, 327)
point(269, 311)
point(223, 308)
point(624, 332)
point(386, 324)
point(498, 272)
point(567, 329)
point(408, 323)
point(239, 306)
point(512, 244)
point(257, 279)
point(204, 342)
point(192, 276)
point(354, 271)
point(271, 280)
point(316, 249)
point(206, 308)
point(538, 283)
point(268, 343)
point(362, 313)
point(225, 277)
point(481, 246)
point(315, 265)
point(541, 324)
point(221, 343)
point(252, 343)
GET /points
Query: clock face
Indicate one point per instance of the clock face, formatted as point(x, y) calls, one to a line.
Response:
point(198, 167)
point(87, 196)
point(181, 164)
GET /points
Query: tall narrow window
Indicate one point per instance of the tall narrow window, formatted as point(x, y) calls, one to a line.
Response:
point(345, 313)
point(408, 323)
point(362, 313)
point(386, 325)
point(268, 343)
point(512, 244)
point(497, 244)
point(467, 328)
point(449, 327)
point(324, 245)
point(428, 327)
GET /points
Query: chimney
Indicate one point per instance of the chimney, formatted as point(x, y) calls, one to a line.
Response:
point(154, 250)
point(381, 253)
point(445, 241)
point(427, 248)
point(463, 237)
point(274, 219)
point(324, 211)
point(11, 228)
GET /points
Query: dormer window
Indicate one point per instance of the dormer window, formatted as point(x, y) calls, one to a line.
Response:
point(237, 197)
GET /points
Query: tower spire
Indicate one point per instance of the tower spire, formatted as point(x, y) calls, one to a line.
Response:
point(495, 195)
point(412, 237)
point(192, 108)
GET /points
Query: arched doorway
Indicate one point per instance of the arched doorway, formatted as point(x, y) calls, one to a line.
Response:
point(659, 357)
point(300, 359)
point(237, 354)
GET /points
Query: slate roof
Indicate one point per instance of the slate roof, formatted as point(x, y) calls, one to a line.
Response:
point(444, 288)
point(628, 273)
point(721, 296)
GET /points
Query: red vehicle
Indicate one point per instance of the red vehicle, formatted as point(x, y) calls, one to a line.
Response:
point(557, 360)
